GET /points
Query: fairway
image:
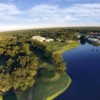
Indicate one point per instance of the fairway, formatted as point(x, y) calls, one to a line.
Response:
point(24, 95)
point(0, 97)
point(60, 47)
point(48, 90)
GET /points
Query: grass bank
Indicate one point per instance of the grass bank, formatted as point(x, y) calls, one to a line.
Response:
point(60, 47)
point(24, 95)
point(45, 89)
point(49, 88)
point(53, 96)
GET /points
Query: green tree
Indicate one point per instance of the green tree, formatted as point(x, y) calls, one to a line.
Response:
point(1, 51)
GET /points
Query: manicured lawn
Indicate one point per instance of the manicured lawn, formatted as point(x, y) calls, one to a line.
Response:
point(49, 88)
point(0, 97)
point(23, 95)
point(60, 47)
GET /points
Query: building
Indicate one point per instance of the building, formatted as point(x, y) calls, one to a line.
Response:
point(42, 39)
point(49, 40)
point(93, 40)
point(38, 38)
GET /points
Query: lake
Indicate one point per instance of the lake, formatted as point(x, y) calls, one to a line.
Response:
point(83, 66)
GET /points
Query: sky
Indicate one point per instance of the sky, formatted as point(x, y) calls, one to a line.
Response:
point(26, 14)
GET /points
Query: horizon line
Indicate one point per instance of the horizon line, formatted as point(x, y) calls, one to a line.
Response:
point(33, 28)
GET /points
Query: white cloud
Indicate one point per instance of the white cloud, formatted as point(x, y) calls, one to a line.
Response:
point(8, 12)
point(10, 9)
point(76, 12)
point(50, 15)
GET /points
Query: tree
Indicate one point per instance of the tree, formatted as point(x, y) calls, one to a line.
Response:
point(23, 78)
point(6, 82)
point(56, 58)
point(61, 66)
point(26, 48)
point(1, 51)
point(83, 37)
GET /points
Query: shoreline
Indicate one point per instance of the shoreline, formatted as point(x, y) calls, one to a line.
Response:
point(62, 90)
point(55, 95)
point(64, 48)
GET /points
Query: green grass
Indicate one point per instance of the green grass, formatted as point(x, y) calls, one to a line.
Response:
point(24, 94)
point(48, 89)
point(61, 90)
point(60, 47)
point(1, 97)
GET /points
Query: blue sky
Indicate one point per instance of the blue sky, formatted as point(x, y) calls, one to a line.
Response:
point(23, 14)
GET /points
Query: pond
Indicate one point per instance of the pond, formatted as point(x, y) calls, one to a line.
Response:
point(84, 69)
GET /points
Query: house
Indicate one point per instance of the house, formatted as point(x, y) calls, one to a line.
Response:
point(93, 40)
point(39, 38)
point(42, 39)
point(49, 40)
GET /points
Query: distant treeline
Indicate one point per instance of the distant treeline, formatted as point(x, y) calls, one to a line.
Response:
point(51, 31)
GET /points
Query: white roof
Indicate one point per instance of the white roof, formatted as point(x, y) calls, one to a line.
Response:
point(39, 38)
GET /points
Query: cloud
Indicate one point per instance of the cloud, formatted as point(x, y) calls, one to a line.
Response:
point(50, 15)
point(76, 12)
point(8, 11)
point(10, 0)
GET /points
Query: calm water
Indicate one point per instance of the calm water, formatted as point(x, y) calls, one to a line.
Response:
point(84, 69)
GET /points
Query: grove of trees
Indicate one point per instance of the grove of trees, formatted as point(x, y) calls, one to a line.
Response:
point(18, 65)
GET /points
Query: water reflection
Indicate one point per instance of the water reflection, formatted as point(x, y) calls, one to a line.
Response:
point(94, 45)
point(83, 42)
point(95, 49)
